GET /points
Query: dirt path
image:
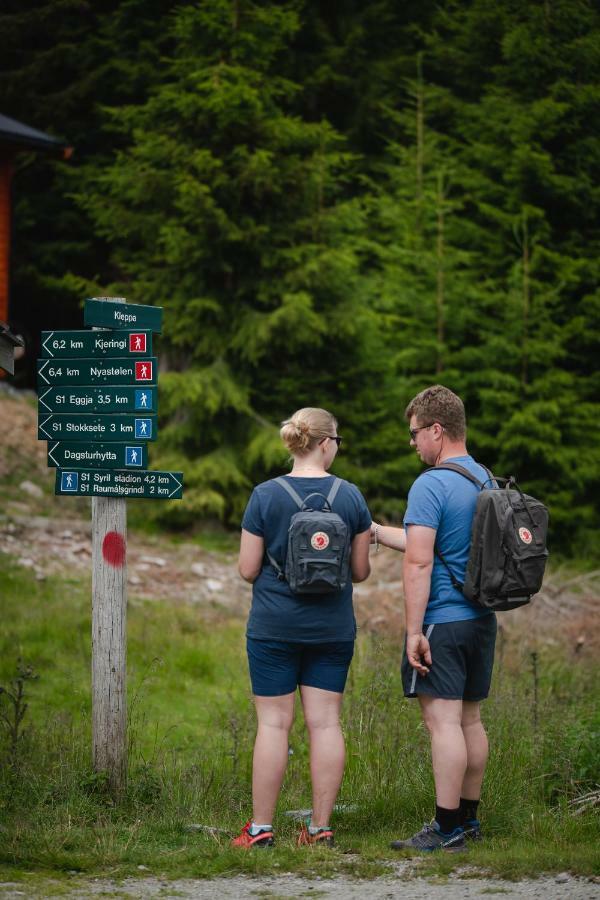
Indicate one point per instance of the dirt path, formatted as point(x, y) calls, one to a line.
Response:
point(398, 884)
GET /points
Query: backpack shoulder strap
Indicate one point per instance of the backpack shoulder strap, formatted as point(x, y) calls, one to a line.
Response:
point(460, 470)
point(290, 490)
point(454, 467)
point(287, 487)
point(333, 492)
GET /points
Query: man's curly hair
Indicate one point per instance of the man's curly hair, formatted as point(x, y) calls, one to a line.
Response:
point(439, 404)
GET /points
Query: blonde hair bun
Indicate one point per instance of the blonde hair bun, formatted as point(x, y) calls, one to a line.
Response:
point(303, 431)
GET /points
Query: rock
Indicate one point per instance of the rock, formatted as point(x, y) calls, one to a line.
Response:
point(26, 562)
point(28, 487)
point(154, 561)
point(66, 534)
point(198, 569)
point(143, 868)
point(562, 878)
point(134, 579)
point(213, 585)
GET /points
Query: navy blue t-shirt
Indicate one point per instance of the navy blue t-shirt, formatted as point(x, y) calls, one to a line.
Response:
point(277, 614)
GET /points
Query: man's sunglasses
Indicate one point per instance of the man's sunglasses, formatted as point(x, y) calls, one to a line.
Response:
point(332, 437)
point(414, 431)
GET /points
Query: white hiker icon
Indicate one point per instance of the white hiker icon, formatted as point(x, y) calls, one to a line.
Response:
point(138, 342)
point(143, 426)
point(134, 456)
point(69, 481)
point(144, 371)
point(144, 400)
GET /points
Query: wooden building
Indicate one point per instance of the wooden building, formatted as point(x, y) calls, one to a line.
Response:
point(15, 138)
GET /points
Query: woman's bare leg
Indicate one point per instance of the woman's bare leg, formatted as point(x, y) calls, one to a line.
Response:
point(327, 750)
point(275, 717)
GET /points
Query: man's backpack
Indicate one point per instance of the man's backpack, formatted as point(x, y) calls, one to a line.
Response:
point(318, 547)
point(508, 544)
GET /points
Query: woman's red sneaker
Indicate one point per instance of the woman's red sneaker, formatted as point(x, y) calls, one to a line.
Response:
point(324, 837)
point(245, 840)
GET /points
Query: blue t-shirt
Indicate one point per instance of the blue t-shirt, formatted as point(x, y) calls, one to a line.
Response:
point(277, 614)
point(445, 501)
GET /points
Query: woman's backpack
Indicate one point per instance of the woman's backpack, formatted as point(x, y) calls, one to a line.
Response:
point(318, 547)
point(508, 551)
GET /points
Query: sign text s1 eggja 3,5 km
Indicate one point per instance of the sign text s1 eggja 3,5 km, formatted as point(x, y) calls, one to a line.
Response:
point(97, 406)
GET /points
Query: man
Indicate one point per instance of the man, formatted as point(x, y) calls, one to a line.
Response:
point(450, 641)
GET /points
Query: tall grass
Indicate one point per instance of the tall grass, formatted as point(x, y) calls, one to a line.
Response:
point(191, 732)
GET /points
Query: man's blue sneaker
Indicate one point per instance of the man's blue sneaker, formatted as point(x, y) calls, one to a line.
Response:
point(430, 838)
point(472, 829)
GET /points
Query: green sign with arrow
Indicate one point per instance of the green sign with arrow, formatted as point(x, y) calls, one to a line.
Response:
point(67, 427)
point(97, 371)
point(97, 399)
point(98, 483)
point(75, 454)
point(96, 343)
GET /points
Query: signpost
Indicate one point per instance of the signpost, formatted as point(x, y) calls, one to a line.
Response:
point(114, 315)
point(94, 343)
point(97, 371)
point(101, 456)
point(97, 408)
point(97, 399)
point(92, 483)
point(71, 427)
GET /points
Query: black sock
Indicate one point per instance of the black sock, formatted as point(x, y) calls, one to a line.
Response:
point(447, 819)
point(468, 810)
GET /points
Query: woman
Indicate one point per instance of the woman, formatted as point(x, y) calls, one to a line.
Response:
point(299, 640)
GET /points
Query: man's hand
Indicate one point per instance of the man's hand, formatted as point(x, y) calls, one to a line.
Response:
point(418, 652)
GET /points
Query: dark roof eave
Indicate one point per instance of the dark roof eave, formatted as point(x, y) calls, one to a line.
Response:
point(22, 137)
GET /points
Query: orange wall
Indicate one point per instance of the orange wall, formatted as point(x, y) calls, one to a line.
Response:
point(5, 178)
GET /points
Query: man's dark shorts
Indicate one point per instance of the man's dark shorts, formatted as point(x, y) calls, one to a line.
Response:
point(463, 659)
point(278, 667)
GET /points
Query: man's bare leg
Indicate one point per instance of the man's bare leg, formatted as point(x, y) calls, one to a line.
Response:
point(448, 747)
point(477, 750)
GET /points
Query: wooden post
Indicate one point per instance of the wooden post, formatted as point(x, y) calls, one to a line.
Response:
point(109, 636)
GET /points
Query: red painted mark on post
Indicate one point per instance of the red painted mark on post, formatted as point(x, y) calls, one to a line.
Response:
point(113, 549)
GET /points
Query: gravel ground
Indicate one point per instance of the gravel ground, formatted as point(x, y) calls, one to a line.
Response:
point(288, 885)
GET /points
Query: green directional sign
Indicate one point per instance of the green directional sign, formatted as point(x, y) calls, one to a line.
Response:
point(69, 427)
point(97, 371)
point(63, 454)
point(122, 315)
point(96, 343)
point(97, 399)
point(100, 483)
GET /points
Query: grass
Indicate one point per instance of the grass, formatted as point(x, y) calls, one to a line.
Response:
point(191, 732)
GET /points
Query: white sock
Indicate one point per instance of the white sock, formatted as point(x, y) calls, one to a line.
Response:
point(255, 829)
point(314, 829)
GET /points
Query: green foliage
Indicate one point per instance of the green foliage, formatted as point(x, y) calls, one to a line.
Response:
point(336, 206)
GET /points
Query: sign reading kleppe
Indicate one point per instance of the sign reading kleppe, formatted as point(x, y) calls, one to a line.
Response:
point(120, 315)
